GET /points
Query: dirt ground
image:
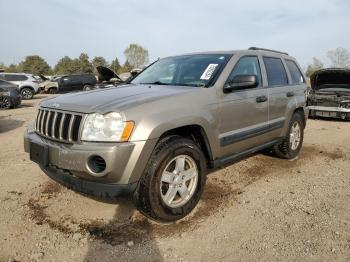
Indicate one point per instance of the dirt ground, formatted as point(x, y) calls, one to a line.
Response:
point(259, 209)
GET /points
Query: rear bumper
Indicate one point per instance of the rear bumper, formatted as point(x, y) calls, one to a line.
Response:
point(15, 100)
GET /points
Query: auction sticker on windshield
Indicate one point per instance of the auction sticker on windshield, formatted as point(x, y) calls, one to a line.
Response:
point(209, 71)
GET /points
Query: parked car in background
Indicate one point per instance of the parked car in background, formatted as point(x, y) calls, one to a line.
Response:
point(70, 83)
point(9, 95)
point(28, 84)
point(156, 136)
point(107, 78)
point(129, 75)
point(330, 93)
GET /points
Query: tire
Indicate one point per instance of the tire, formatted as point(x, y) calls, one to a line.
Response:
point(27, 93)
point(289, 148)
point(154, 187)
point(87, 87)
point(5, 102)
point(52, 90)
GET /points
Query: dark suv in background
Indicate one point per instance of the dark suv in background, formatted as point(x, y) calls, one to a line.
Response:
point(71, 83)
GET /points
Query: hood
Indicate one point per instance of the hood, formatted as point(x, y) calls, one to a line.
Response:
point(113, 99)
point(331, 78)
point(105, 74)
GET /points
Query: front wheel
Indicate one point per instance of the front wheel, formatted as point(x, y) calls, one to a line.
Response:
point(27, 93)
point(5, 102)
point(87, 88)
point(173, 181)
point(290, 146)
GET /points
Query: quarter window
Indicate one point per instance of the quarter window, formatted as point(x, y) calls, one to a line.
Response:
point(276, 73)
point(248, 65)
point(297, 77)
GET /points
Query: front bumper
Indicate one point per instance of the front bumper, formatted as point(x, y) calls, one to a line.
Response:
point(331, 112)
point(125, 162)
point(88, 187)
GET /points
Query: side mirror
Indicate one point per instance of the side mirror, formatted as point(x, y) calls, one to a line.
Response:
point(240, 82)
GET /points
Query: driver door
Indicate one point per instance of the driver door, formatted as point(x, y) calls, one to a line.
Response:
point(243, 113)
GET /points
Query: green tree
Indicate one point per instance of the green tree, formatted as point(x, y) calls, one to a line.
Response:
point(136, 55)
point(126, 67)
point(339, 57)
point(66, 65)
point(84, 64)
point(34, 64)
point(316, 65)
point(12, 68)
point(115, 65)
point(99, 61)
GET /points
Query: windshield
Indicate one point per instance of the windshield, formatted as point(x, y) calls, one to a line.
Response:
point(188, 70)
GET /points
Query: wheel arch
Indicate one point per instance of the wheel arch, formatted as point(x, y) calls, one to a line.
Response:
point(194, 132)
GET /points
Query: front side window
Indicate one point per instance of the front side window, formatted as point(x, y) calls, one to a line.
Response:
point(248, 65)
point(276, 74)
point(187, 70)
point(297, 76)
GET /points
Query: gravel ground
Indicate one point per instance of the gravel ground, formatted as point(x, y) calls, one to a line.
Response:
point(259, 209)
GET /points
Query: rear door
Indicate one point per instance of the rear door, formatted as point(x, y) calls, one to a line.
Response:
point(243, 113)
point(279, 93)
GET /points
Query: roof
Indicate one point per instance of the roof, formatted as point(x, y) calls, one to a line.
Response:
point(250, 51)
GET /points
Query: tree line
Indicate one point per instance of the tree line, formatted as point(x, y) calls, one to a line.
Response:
point(136, 57)
point(339, 58)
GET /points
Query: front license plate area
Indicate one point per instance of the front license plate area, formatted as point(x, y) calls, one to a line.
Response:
point(39, 154)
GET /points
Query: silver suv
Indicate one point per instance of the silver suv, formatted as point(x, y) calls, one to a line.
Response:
point(157, 136)
point(28, 84)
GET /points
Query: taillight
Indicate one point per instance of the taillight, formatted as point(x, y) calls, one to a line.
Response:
point(36, 81)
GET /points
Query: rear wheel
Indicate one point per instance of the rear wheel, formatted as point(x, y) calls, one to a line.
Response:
point(290, 146)
point(27, 93)
point(5, 102)
point(173, 181)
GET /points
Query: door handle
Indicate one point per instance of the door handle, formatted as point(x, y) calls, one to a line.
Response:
point(290, 94)
point(261, 99)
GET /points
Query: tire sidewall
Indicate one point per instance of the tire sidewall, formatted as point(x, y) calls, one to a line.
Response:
point(177, 147)
point(29, 90)
point(296, 118)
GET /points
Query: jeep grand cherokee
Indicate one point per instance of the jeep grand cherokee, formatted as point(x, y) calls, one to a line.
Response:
point(157, 136)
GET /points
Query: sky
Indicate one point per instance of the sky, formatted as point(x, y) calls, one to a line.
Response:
point(53, 28)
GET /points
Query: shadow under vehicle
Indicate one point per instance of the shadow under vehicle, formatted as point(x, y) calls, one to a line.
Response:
point(330, 93)
point(9, 95)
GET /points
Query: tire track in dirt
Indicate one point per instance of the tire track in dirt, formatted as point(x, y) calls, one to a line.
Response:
point(220, 193)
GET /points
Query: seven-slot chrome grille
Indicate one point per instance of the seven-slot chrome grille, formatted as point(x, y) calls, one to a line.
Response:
point(59, 125)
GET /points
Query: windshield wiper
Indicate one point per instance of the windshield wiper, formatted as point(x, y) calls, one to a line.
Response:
point(155, 83)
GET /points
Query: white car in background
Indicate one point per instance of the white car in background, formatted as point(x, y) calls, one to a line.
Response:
point(28, 84)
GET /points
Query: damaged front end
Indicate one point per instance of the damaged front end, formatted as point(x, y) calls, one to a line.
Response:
point(330, 94)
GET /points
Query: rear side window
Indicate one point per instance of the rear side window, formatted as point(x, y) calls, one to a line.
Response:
point(297, 76)
point(276, 73)
point(15, 77)
point(248, 65)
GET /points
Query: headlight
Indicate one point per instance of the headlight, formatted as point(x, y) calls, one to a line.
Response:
point(110, 127)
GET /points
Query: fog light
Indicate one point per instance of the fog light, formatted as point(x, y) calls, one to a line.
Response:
point(96, 164)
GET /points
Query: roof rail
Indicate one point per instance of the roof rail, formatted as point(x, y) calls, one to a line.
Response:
point(264, 49)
